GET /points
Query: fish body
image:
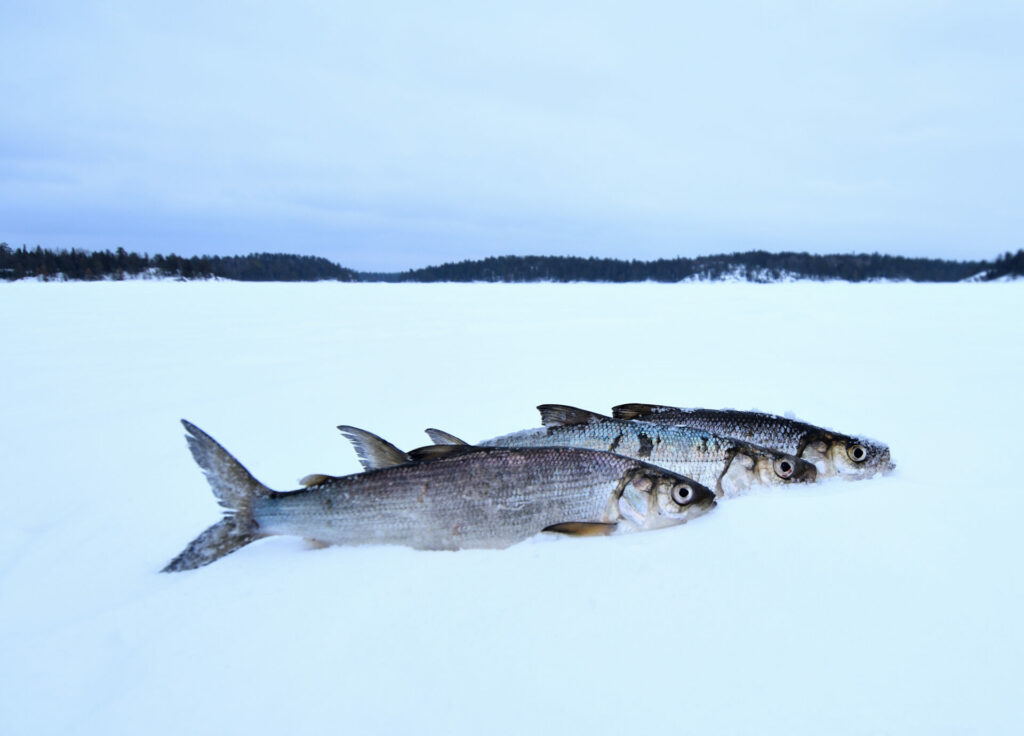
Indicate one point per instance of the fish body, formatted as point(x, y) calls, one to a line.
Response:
point(470, 498)
point(832, 453)
point(727, 465)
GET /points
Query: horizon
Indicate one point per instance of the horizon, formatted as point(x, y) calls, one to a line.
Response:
point(756, 266)
point(500, 256)
point(389, 139)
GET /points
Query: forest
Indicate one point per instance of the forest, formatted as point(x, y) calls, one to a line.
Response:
point(84, 265)
point(757, 266)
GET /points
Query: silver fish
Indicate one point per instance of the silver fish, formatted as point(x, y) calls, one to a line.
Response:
point(832, 453)
point(466, 498)
point(727, 465)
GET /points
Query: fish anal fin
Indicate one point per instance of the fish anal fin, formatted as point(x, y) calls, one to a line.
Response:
point(582, 528)
point(440, 437)
point(636, 411)
point(560, 415)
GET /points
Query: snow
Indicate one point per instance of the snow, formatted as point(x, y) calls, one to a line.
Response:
point(885, 606)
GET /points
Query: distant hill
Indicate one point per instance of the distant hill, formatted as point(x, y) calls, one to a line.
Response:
point(757, 266)
point(1008, 264)
point(86, 265)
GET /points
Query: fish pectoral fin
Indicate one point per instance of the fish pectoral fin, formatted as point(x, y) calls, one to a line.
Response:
point(315, 479)
point(635, 411)
point(582, 528)
point(560, 415)
point(440, 437)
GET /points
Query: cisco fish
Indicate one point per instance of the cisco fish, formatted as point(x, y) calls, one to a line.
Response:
point(832, 453)
point(462, 498)
point(727, 465)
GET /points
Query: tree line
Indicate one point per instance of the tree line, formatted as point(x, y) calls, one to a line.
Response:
point(84, 265)
point(750, 266)
point(760, 266)
point(1008, 264)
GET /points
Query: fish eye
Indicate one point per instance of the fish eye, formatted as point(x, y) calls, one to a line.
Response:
point(682, 494)
point(784, 467)
point(857, 453)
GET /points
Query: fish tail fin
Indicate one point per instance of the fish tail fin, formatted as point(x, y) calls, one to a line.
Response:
point(235, 488)
point(219, 540)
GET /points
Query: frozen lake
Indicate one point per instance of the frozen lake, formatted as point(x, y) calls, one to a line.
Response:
point(886, 606)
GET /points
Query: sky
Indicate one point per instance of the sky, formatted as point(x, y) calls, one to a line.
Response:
point(393, 135)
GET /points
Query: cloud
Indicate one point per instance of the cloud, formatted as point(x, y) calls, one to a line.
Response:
point(458, 129)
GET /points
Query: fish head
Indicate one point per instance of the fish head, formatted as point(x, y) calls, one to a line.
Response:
point(858, 457)
point(816, 449)
point(752, 466)
point(653, 498)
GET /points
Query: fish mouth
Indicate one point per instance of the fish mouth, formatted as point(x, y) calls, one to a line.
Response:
point(702, 507)
point(886, 462)
point(808, 474)
point(707, 500)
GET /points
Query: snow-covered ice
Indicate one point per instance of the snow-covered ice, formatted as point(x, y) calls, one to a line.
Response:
point(890, 606)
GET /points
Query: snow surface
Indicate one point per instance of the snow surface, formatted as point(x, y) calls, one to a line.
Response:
point(890, 606)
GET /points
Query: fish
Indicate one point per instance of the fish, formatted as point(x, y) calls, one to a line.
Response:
point(728, 466)
point(833, 454)
point(450, 498)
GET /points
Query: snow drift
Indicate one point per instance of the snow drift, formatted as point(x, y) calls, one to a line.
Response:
point(886, 606)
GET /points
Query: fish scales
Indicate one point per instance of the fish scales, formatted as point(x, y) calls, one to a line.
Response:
point(768, 430)
point(692, 453)
point(833, 453)
point(490, 499)
point(727, 465)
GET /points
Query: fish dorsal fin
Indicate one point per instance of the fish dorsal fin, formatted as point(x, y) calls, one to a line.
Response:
point(582, 528)
point(315, 479)
point(636, 411)
point(373, 452)
point(559, 415)
point(433, 452)
point(440, 437)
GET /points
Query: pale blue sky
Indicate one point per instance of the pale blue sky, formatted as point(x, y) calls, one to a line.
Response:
point(405, 134)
